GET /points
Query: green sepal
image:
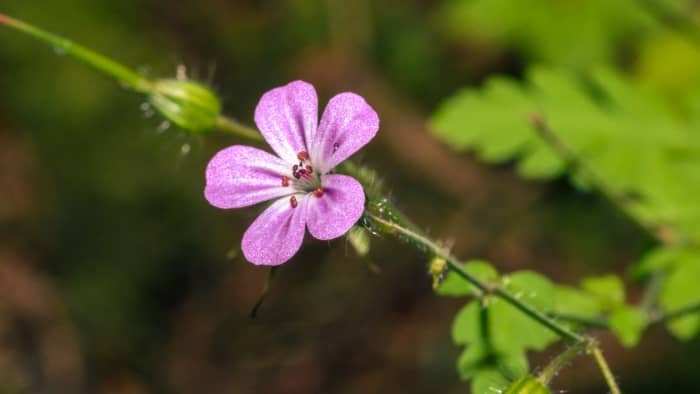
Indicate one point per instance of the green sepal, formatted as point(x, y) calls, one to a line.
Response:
point(527, 385)
point(187, 104)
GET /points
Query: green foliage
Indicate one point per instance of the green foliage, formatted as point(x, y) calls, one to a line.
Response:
point(456, 286)
point(680, 266)
point(601, 118)
point(608, 290)
point(627, 323)
point(681, 290)
point(544, 30)
point(572, 301)
point(634, 149)
point(497, 335)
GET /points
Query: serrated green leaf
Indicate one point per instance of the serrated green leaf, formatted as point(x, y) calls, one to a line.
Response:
point(681, 290)
point(481, 359)
point(455, 286)
point(572, 301)
point(495, 376)
point(532, 288)
point(543, 30)
point(475, 358)
point(466, 327)
point(656, 260)
point(489, 381)
point(664, 258)
point(627, 323)
point(603, 119)
point(513, 331)
point(608, 289)
point(497, 335)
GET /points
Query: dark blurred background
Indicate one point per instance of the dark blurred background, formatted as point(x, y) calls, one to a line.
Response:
point(116, 276)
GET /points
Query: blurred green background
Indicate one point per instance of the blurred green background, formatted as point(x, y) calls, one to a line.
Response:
point(116, 276)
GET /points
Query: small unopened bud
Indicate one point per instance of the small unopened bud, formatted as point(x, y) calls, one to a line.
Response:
point(359, 239)
point(438, 269)
point(527, 385)
point(189, 105)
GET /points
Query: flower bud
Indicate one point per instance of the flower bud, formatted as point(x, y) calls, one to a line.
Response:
point(359, 239)
point(438, 270)
point(189, 105)
point(527, 385)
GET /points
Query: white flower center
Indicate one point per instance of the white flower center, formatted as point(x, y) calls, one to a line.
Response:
point(304, 178)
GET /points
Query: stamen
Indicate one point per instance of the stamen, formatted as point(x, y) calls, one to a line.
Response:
point(285, 181)
point(318, 192)
point(335, 147)
point(293, 201)
point(309, 169)
point(303, 155)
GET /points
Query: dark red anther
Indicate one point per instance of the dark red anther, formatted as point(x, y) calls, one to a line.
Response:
point(309, 169)
point(303, 155)
point(318, 192)
point(293, 201)
point(285, 181)
point(295, 168)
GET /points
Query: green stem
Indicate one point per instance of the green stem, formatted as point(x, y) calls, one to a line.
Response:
point(458, 268)
point(560, 361)
point(673, 315)
point(231, 126)
point(653, 317)
point(651, 293)
point(592, 322)
point(680, 20)
point(604, 369)
point(665, 235)
point(127, 77)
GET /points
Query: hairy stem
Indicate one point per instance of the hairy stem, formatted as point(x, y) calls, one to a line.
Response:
point(589, 322)
point(113, 69)
point(126, 76)
point(604, 368)
point(498, 291)
point(231, 126)
point(560, 361)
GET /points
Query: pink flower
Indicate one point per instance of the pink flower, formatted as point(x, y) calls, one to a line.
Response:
point(299, 180)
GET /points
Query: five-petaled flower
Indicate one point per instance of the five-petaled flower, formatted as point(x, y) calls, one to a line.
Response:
point(299, 178)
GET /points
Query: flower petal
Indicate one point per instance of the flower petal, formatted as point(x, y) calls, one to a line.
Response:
point(347, 124)
point(287, 117)
point(276, 235)
point(338, 209)
point(240, 176)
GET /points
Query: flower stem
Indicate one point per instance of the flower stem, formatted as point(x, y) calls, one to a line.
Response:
point(231, 126)
point(604, 368)
point(126, 76)
point(123, 74)
point(560, 361)
point(677, 314)
point(590, 322)
point(458, 268)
